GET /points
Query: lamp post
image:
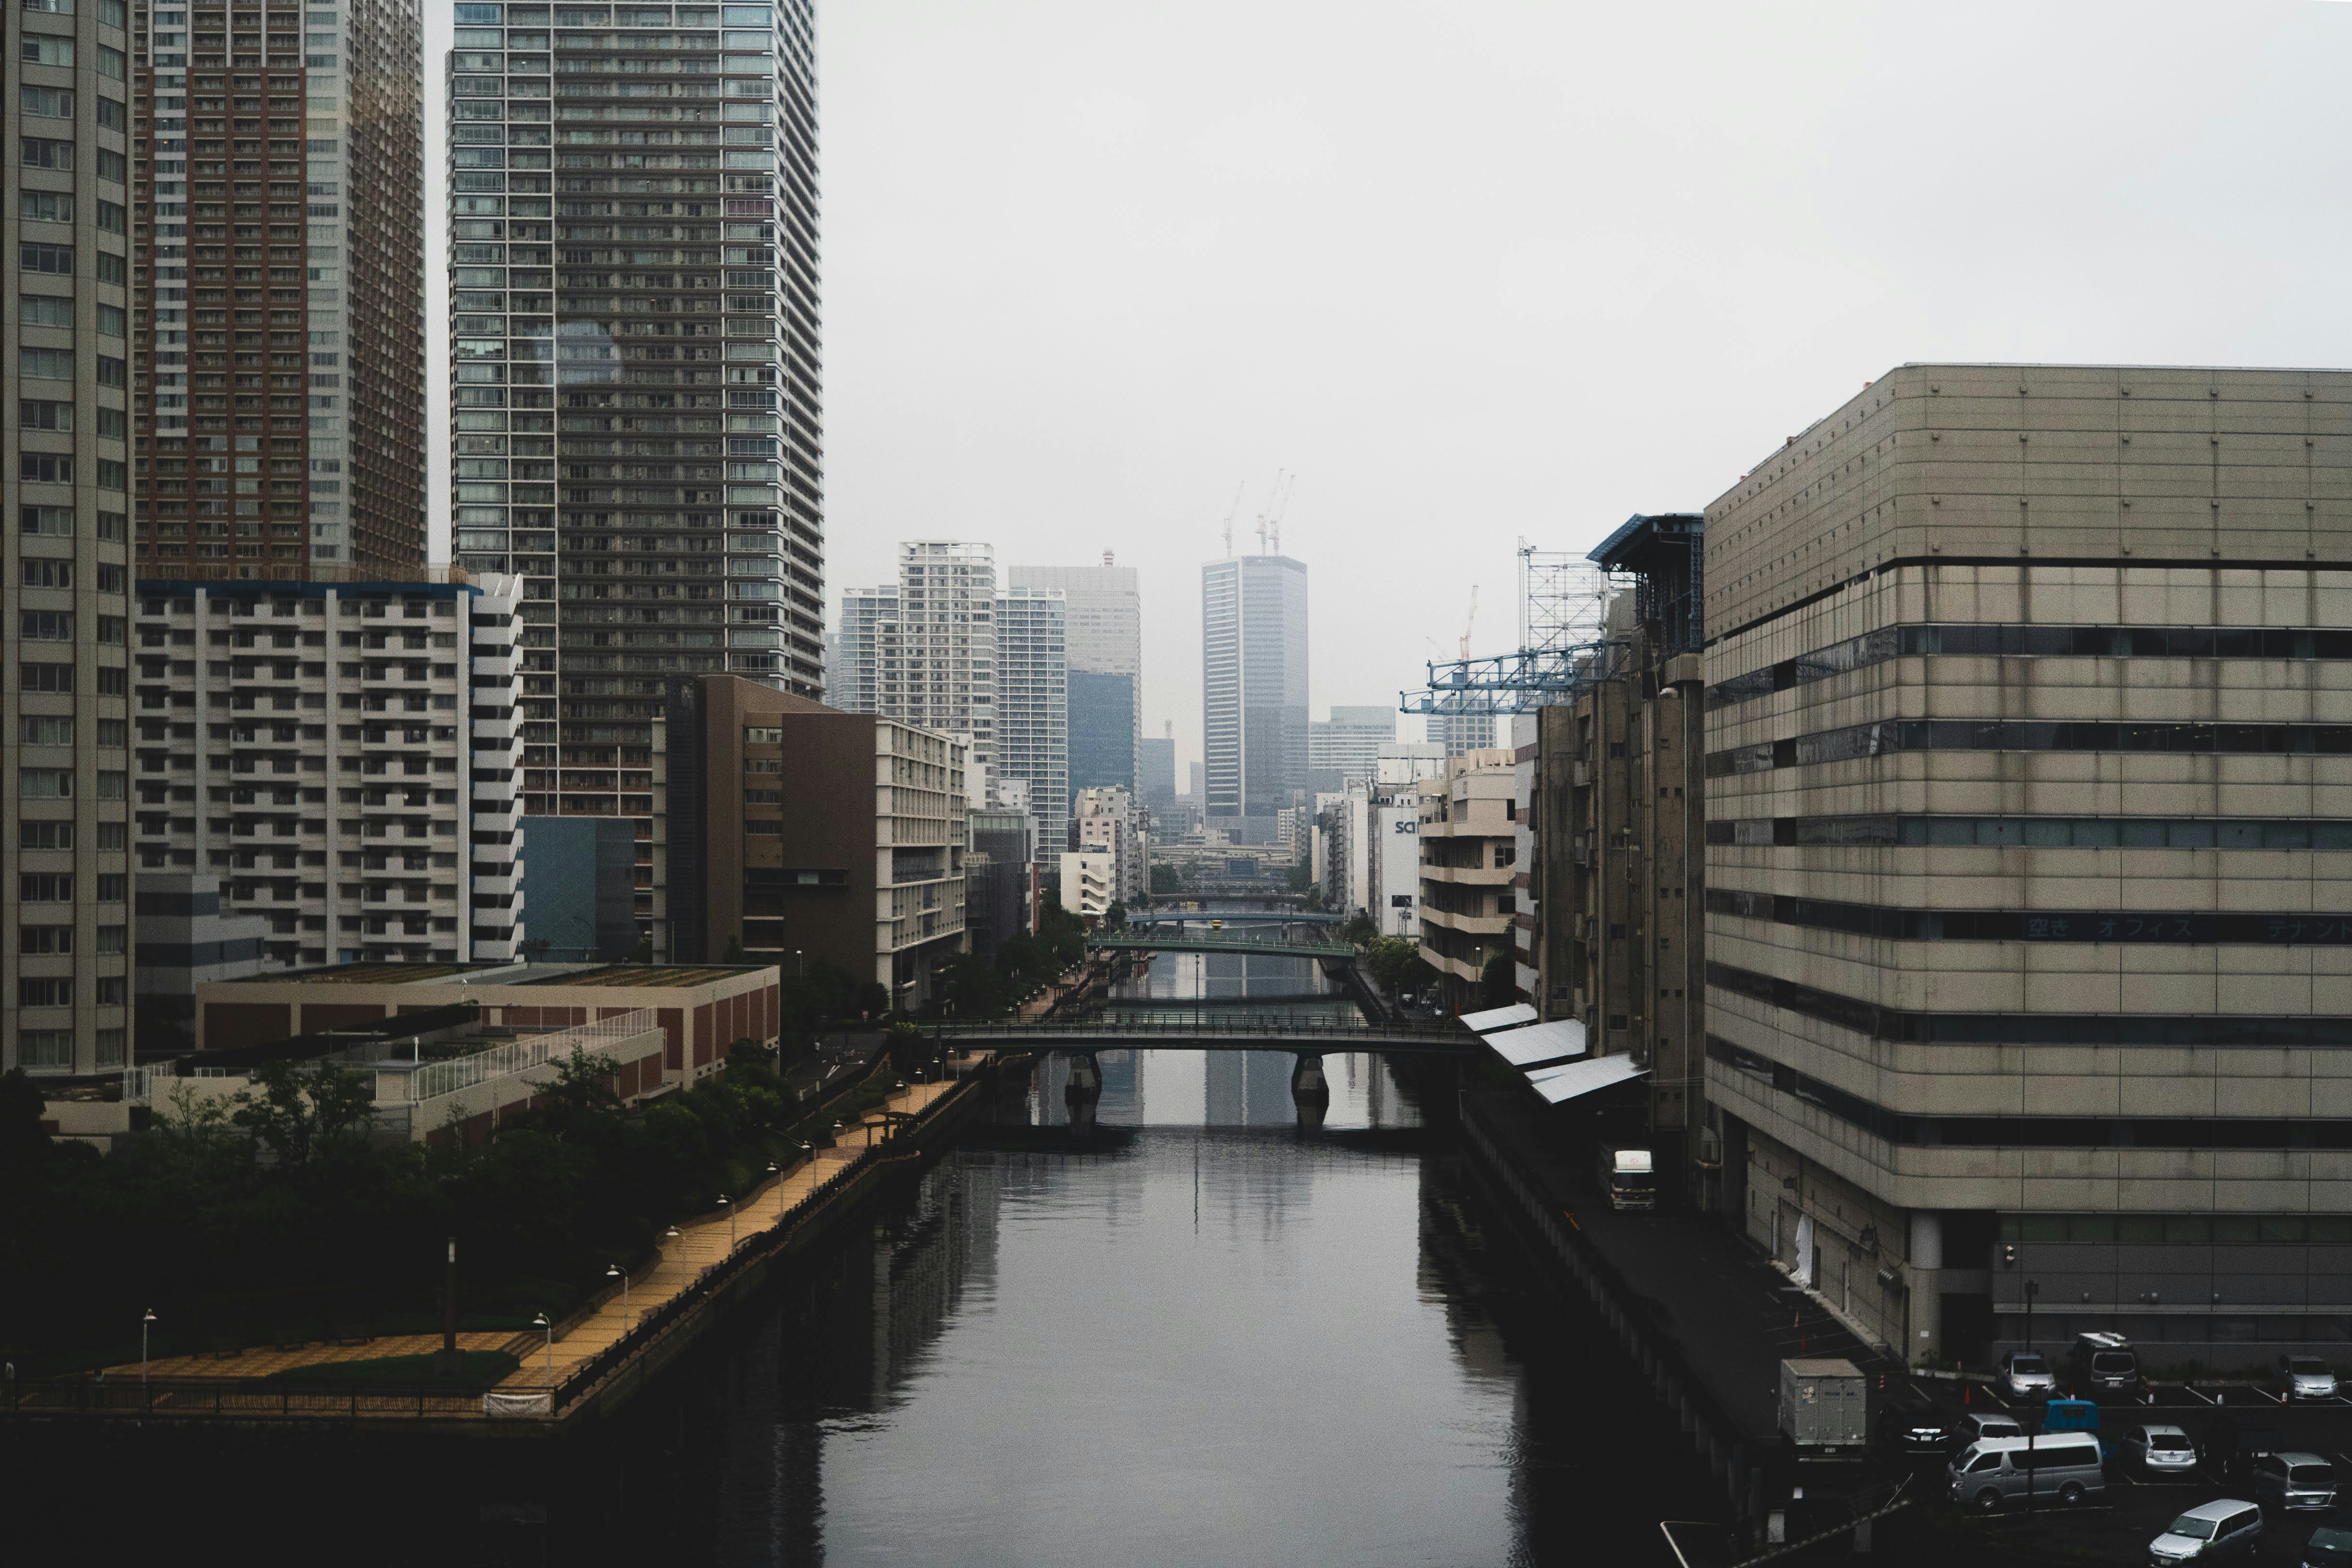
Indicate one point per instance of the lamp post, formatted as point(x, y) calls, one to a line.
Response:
point(614, 1273)
point(728, 1204)
point(541, 1322)
point(800, 965)
point(143, 1322)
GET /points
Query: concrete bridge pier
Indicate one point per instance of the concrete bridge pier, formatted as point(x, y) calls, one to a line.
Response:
point(1082, 1093)
point(1309, 1092)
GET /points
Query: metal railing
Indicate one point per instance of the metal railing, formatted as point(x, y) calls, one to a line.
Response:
point(436, 1079)
point(1255, 1022)
point(215, 1397)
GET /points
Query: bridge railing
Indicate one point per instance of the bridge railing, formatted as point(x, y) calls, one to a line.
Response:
point(1255, 1022)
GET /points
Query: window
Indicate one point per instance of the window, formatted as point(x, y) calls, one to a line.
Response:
point(47, 626)
point(46, 522)
point(112, 473)
point(110, 579)
point(110, 166)
point(41, 574)
point(110, 627)
point(44, 207)
point(40, 49)
point(53, 7)
point(45, 784)
point(110, 837)
point(42, 153)
point(47, 678)
point(110, 1041)
point(45, 835)
point(112, 422)
point(113, 681)
point(45, 940)
point(43, 1050)
point(44, 310)
point(46, 365)
point(110, 942)
point(49, 990)
point(109, 114)
point(45, 887)
point(110, 216)
point(111, 529)
point(110, 268)
point(111, 786)
point(110, 64)
point(109, 991)
point(112, 886)
point(45, 469)
point(109, 371)
point(34, 416)
point(43, 730)
point(110, 320)
point(55, 103)
point(112, 734)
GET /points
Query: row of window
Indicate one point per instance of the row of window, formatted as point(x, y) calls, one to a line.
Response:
point(48, 941)
point(56, 206)
point(34, 414)
point(57, 886)
point(58, 729)
point(58, 311)
point(2175, 1229)
point(1890, 736)
point(2227, 1031)
point(58, 783)
point(57, 991)
point(2013, 640)
point(2170, 926)
point(2035, 832)
point(58, 365)
point(2069, 1132)
point(57, 261)
point(57, 522)
point(61, 834)
point(58, 626)
point(58, 469)
point(51, 1050)
point(44, 49)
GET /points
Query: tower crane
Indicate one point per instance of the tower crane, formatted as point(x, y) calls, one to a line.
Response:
point(1470, 620)
point(1231, 512)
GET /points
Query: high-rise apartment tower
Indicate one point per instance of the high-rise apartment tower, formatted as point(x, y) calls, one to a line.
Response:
point(64, 769)
point(1033, 737)
point(634, 363)
point(279, 354)
point(925, 651)
point(1106, 618)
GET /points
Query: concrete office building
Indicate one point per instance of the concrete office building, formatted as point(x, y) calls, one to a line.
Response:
point(65, 890)
point(924, 651)
point(340, 757)
point(278, 211)
point(579, 881)
point(1107, 819)
point(1460, 732)
point(1156, 770)
point(797, 829)
point(1253, 685)
point(1343, 749)
point(186, 935)
point(1089, 882)
point(2030, 791)
point(1468, 858)
point(1106, 655)
point(654, 336)
point(1033, 728)
point(1611, 924)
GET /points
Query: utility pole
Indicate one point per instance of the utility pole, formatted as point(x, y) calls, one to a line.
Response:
point(451, 1361)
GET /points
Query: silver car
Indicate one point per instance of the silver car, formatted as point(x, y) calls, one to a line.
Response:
point(2295, 1481)
point(2025, 1374)
point(2215, 1532)
point(2157, 1451)
point(2305, 1377)
point(1976, 1426)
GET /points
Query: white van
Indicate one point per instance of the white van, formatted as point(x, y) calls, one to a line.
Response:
point(2062, 1467)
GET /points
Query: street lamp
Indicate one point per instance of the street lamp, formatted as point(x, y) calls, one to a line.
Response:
point(614, 1273)
point(142, 1346)
point(728, 1204)
point(541, 1322)
point(800, 965)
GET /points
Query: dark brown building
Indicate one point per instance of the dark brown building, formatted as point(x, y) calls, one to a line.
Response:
point(808, 834)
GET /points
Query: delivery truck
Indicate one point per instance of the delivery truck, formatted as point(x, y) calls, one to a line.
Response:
point(1627, 1176)
point(1824, 1408)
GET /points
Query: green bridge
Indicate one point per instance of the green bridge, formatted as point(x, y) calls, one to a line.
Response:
point(1189, 941)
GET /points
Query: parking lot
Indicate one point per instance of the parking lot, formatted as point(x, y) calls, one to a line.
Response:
point(2117, 1526)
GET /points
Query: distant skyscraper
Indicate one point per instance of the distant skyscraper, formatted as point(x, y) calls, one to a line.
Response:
point(1155, 771)
point(635, 414)
point(925, 651)
point(1253, 683)
point(1346, 747)
point(1106, 666)
point(66, 301)
point(1460, 732)
point(285, 442)
point(1032, 703)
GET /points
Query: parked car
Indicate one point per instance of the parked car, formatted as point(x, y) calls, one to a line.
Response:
point(2305, 1377)
point(2215, 1532)
point(1977, 1426)
point(2064, 1469)
point(2156, 1451)
point(2330, 1545)
point(2295, 1481)
point(1920, 1429)
point(2075, 1416)
point(2024, 1375)
point(2102, 1363)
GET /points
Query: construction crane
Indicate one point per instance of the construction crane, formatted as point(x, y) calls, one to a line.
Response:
point(1281, 505)
point(1269, 517)
point(1469, 621)
point(1231, 512)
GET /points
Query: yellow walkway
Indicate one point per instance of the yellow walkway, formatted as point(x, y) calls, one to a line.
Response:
point(698, 1244)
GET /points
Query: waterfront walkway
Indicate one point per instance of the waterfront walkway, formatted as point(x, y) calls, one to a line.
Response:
point(698, 1244)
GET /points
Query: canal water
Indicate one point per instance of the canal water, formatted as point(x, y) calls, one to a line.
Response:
point(1195, 1335)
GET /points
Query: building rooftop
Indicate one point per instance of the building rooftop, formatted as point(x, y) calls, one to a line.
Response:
point(635, 974)
point(684, 976)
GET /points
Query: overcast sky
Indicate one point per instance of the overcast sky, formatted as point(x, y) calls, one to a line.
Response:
point(1476, 271)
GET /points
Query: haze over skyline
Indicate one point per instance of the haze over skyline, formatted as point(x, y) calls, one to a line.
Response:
point(1480, 272)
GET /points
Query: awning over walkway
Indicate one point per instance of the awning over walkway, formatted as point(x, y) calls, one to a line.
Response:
point(1538, 1043)
point(1517, 1013)
point(1560, 1084)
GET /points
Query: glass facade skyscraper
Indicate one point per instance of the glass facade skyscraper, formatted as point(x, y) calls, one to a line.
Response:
point(1254, 684)
point(1033, 736)
point(634, 370)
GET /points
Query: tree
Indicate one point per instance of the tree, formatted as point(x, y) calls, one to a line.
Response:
point(734, 953)
point(1115, 916)
point(303, 1106)
point(1165, 879)
point(1299, 877)
point(1500, 983)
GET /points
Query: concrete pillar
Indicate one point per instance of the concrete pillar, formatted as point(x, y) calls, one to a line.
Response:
point(1923, 1303)
point(1085, 1075)
point(1306, 1080)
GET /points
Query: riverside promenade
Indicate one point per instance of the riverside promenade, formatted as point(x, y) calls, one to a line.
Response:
point(610, 1345)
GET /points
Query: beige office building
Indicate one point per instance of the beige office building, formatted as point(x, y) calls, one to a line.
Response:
point(2028, 765)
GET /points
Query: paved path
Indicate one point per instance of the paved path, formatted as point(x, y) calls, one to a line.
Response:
point(699, 1243)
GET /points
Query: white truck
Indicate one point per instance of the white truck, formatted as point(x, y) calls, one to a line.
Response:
point(1825, 1409)
point(1628, 1177)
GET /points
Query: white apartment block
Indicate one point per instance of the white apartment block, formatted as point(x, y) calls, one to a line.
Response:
point(925, 652)
point(341, 756)
point(1106, 820)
